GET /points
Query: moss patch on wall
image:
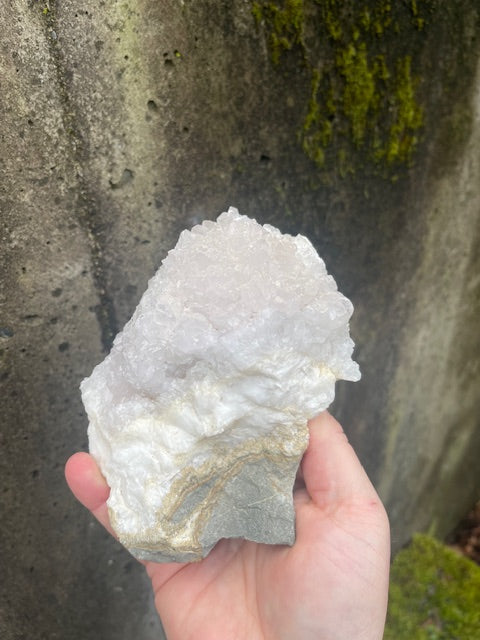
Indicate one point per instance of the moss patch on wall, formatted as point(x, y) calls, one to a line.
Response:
point(434, 594)
point(363, 106)
point(286, 25)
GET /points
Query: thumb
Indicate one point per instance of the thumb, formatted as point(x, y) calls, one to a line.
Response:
point(331, 469)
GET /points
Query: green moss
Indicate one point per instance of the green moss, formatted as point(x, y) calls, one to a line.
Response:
point(408, 117)
point(418, 21)
point(359, 94)
point(317, 129)
point(287, 23)
point(434, 594)
point(363, 106)
point(44, 6)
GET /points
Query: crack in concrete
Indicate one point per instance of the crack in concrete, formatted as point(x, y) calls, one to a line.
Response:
point(86, 208)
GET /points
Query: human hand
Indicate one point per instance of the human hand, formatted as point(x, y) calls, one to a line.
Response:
point(332, 584)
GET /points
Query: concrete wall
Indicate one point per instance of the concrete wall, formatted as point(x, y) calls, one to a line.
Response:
point(124, 122)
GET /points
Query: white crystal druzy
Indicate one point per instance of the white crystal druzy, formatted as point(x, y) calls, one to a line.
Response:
point(237, 341)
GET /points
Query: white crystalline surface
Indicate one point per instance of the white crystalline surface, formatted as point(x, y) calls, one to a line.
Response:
point(240, 333)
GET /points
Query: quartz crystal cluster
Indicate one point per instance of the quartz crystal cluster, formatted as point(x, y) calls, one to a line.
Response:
point(198, 416)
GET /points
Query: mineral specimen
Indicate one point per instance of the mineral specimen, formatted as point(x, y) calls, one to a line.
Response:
point(198, 416)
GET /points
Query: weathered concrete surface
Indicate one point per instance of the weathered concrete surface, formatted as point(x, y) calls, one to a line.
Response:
point(121, 123)
point(439, 359)
point(428, 469)
point(62, 577)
